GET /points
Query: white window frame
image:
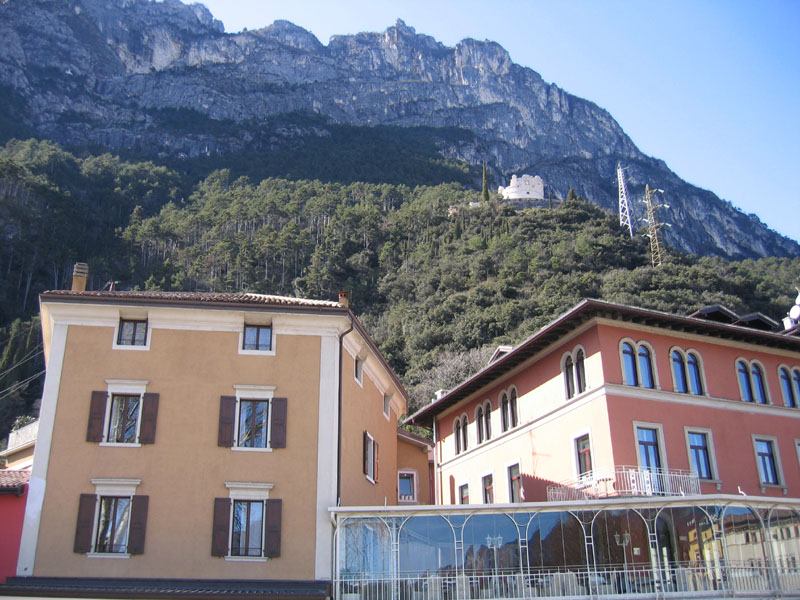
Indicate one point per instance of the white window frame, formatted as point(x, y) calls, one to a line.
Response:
point(573, 354)
point(791, 370)
point(576, 466)
point(111, 487)
point(653, 365)
point(358, 369)
point(270, 352)
point(117, 346)
point(659, 437)
point(123, 387)
point(712, 455)
point(776, 453)
point(510, 464)
point(749, 364)
point(414, 486)
point(253, 392)
point(370, 474)
point(463, 485)
point(483, 488)
point(702, 368)
point(251, 491)
point(387, 406)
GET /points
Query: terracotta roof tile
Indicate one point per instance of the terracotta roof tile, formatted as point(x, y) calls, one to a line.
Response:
point(13, 479)
point(201, 297)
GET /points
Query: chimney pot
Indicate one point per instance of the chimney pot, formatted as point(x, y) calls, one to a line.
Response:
point(80, 273)
point(344, 299)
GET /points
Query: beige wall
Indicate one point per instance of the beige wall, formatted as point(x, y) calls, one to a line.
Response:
point(362, 409)
point(411, 456)
point(184, 470)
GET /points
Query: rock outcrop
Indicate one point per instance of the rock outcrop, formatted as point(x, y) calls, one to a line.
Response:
point(91, 73)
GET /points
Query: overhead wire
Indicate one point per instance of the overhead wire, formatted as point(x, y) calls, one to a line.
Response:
point(13, 388)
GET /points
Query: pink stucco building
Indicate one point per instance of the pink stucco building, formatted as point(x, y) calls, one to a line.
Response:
point(611, 400)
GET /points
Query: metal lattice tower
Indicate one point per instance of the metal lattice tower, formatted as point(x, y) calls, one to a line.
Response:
point(624, 210)
point(653, 226)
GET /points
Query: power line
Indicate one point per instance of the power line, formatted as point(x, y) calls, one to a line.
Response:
point(32, 354)
point(10, 390)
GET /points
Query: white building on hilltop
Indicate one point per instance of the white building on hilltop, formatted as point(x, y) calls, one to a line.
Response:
point(526, 187)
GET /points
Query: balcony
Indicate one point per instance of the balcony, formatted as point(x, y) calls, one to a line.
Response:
point(625, 481)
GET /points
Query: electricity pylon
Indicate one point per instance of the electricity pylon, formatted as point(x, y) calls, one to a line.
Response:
point(653, 226)
point(624, 210)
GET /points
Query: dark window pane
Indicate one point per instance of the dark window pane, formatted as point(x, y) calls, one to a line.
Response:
point(695, 380)
point(112, 526)
point(580, 374)
point(646, 367)
point(124, 419)
point(698, 446)
point(679, 372)
point(629, 374)
point(744, 381)
point(758, 385)
point(253, 419)
point(569, 385)
point(786, 386)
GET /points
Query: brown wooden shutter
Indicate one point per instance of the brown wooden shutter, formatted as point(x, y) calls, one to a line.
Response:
point(365, 451)
point(138, 524)
point(375, 470)
point(83, 531)
point(219, 532)
point(147, 432)
point(272, 547)
point(97, 416)
point(227, 414)
point(277, 437)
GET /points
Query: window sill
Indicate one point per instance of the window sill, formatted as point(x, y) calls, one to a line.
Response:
point(116, 346)
point(406, 500)
point(251, 559)
point(370, 479)
point(121, 444)
point(774, 486)
point(108, 555)
point(257, 352)
point(245, 449)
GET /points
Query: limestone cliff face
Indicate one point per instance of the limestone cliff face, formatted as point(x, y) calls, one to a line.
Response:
point(92, 71)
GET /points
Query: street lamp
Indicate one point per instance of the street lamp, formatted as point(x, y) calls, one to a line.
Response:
point(493, 543)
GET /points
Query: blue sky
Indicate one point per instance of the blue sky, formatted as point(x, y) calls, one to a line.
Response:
point(712, 87)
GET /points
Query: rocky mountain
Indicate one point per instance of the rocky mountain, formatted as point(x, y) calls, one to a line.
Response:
point(99, 74)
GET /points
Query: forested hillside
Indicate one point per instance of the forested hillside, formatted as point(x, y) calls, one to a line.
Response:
point(435, 281)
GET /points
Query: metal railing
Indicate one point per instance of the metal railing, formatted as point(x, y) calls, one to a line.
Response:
point(625, 481)
point(676, 581)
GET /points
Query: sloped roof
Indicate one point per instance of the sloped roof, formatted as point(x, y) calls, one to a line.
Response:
point(580, 314)
point(13, 480)
point(192, 298)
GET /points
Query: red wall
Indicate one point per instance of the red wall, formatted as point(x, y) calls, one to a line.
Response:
point(12, 513)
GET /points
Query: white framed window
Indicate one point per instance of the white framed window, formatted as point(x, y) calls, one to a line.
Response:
point(253, 424)
point(752, 382)
point(687, 371)
point(122, 424)
point(463, 494)
point(515, 491)
point(768, 460)
point(507, 402)
point(132, 333)
point(358, 370)
point(387, 405)
point(582, 446)
point(370, 456)
point(407, 486)
point(789, 378)
point(650, 445)
point(257, 339)
point(700, 450)
point(248, 509)
point(574, 372)
point(638, 364)
point(483, 422)
point(112, 517)
point(461, 433)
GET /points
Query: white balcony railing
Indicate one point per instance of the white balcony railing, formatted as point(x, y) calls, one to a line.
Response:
point(625, 481)
point(678, 580)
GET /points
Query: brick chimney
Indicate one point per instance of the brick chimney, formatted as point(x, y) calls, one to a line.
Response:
point(344, 299)
point(80, 273)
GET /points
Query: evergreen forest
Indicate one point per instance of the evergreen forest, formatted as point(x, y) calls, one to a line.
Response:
point(438, 274)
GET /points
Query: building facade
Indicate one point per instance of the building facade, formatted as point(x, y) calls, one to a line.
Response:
point(610, 400)
point(204, 436)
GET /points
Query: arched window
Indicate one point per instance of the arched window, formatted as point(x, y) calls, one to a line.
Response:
point(646, 367)
point(679, 372)
point(569, 385)
point(487, 420)
point(789, 397)
point(796, 382)
point(512, 407)
point(505, 421)
point(629, 371)
point(695, 376)
point(758, 384)
point(457, 432)
point(479, 424)
point(464, 433)
point(743, 372)
point(580, 373)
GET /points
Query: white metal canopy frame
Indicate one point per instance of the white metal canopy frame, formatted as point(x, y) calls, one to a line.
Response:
point(702, 546)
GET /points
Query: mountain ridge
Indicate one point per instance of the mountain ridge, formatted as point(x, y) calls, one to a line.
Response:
point(95, 71)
